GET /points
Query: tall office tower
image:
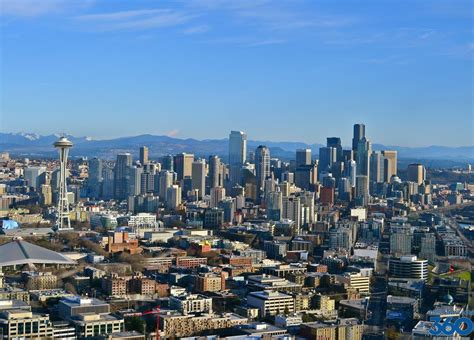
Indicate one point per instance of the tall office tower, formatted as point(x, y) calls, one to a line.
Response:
point(303, 157)
point(327, 157)
point(183, 165)
point(335, 142)
point(269, 185)
point(304, 176)
point(416, 173)
point(390, 165)
point(284, 188)
point(344, 189)
point(359, 133)
point(274, 202)
point(134, 180)
point(364, 151)
point(217, 195)
point(308, 214)
point(350, 171)
point(291, 209)
point(163, 182)
point(143, 155)
point(124, 161)
point(32, 175)
point(347, 155)
point(237, 154)
point(401, 238)
point(377, 167)
point(428, 247)
point(167, 163)
point(63, 222)
point(173, 197)
point(199, 176)
point(148, 177)
point(362, 186)
point(108, 182)
point(228, 205)
point(94, 181)
point(262, 166)
point(215, 172)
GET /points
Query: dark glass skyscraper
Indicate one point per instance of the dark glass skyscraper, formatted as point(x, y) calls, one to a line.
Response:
point(123, 163)
point(335, 142)
point(262, 166)
point(359, 133)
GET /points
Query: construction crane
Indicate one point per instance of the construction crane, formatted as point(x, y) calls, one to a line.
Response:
point(156, 311)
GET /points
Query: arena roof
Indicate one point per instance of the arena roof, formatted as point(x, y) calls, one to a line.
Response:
point(20, 252)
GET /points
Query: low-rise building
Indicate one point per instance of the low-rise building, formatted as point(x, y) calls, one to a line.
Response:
point(190, 262)
point(178, 325)
point(210, 282)
point(408, 267)
point(342, 329)
point(39, 280)
point(271, 302)
point(21, 324)
point(192, 303)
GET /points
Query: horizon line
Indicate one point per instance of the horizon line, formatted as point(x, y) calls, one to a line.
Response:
point(222, 139)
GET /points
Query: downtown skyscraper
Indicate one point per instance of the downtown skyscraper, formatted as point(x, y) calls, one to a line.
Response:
point(262, 166)
point(121, 175)
point(237, 154)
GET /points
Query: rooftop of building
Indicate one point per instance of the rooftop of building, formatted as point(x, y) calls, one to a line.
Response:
point(76, 301)
point(20, 252)
point(266, 294)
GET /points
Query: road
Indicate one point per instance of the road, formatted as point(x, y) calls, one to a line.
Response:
point(442, 209)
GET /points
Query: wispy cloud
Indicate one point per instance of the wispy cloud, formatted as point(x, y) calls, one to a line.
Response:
point(465, 51)
point(197, 29)
point(35, 8)
point(391, 59)
point(402, 37)
point(121, 15)
point(137, 19)
point(267, 42)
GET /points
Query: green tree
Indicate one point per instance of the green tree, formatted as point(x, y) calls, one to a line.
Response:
point(135, 323)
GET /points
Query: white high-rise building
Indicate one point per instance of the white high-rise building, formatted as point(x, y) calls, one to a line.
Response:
point(135, 180)
point(173, 197)
point(237, 154)
point(32, 174)
point(165, 180)
point(291, 209)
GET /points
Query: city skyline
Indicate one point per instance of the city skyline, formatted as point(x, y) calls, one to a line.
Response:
point(281, 71)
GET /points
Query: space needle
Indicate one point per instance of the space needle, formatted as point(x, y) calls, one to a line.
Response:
point(63, 222)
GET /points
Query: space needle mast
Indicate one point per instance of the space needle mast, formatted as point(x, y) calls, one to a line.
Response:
point(63, 222)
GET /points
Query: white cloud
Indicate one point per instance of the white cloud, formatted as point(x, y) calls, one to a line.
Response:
point(267, 42)
point(197, 29)
point(34, 8)
point(137, 19)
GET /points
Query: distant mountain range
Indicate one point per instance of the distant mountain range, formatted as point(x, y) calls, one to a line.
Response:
point(31, 145)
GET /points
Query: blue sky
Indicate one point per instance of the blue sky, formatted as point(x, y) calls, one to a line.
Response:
point(279, 70)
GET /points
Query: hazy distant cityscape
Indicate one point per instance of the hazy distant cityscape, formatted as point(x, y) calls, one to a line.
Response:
point(341, 243)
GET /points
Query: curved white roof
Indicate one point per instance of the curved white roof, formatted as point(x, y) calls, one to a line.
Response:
point(21, 252)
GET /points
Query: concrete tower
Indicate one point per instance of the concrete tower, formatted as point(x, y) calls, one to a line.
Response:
point(63, 222)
